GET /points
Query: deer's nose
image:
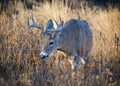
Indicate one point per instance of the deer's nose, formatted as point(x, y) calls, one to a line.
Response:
point(43, 55)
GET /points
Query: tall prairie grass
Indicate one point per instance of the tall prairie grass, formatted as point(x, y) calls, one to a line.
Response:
point(20, 48)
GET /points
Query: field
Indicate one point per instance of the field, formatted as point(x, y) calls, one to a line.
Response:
point(20, 48)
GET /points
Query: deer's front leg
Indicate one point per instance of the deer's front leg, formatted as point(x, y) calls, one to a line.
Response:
point(74, 64)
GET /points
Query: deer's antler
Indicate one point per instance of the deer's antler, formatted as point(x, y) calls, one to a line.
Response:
point(33, 23)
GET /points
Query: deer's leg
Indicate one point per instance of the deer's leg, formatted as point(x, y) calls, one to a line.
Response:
point(74, 64)
point(58, 62)
point(85, 59)
point(60, 66)
point(82, 60)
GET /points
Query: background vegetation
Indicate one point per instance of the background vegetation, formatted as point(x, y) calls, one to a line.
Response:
point(20, 48)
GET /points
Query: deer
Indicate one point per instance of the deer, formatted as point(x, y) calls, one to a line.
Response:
point(74, 38)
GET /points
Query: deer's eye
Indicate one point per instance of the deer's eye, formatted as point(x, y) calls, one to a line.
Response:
point(51, 43)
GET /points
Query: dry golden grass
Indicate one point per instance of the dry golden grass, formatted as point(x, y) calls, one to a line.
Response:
point(20, 48)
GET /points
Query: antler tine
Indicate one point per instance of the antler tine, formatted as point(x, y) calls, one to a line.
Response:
point(28, 20)
point(32, 18)
point(61, 22)
point(60, 18)
point(33, 22)
point(27, 27)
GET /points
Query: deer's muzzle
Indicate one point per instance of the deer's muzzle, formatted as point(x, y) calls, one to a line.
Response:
point(43, 55)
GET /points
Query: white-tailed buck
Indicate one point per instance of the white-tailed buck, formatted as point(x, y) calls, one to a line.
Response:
point(73, 38)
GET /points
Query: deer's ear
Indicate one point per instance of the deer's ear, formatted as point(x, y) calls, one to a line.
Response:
point(50, 26)
point(60, 25)
point(59, 29)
